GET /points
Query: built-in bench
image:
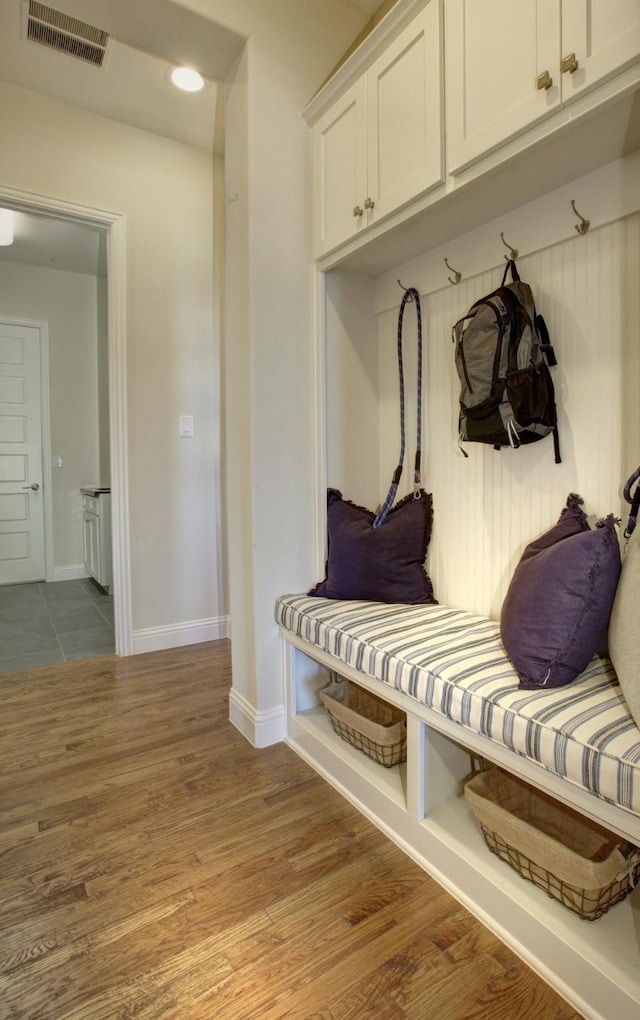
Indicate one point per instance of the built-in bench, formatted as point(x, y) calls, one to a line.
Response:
point(449, 673)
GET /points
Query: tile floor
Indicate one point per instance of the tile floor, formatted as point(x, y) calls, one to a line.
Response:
point(44, 623)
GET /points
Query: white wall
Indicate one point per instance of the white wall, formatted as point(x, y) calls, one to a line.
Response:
point(67, 302)
point(353, 396)
point(165, 190)
point(292, 45)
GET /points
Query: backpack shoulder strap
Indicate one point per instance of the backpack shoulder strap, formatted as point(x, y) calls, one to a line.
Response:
point(545, 341)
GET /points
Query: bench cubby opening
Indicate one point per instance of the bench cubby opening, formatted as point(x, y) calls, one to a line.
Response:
point(311, 726)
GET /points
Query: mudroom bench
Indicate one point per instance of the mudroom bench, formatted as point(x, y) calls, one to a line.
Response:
point(447, 670)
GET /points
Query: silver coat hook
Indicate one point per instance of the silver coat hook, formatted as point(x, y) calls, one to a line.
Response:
point(513, 252)
point(456, 274)
point(583, 225)
point(405, 289)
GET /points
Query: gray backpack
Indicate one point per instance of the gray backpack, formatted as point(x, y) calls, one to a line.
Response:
point(502, 356)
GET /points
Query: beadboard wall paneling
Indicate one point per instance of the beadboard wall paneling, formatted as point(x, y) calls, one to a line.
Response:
point(489, 505)
point(631, 346)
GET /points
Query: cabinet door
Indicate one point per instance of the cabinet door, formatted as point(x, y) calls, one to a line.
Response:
point(404, 121)
point(339, 170)
point(604, 36)
point(91, 545)
point(495, 52)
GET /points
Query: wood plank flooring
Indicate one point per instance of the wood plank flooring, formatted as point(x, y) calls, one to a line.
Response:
point(154, 865)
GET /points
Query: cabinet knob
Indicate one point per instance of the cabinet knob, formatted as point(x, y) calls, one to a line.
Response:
point(369, 203)
point(544, 81)
point(569, 63)
point(358, 210)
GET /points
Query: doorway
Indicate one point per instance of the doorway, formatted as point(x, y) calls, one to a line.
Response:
point(112, 224)
point(43, 623)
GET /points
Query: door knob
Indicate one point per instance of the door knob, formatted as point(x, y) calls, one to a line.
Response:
point(34, 485)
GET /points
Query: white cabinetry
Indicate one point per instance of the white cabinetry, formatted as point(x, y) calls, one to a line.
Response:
point(340, 170)
point(510, 64)
point(421, 807)
point(379, 145)
point(603, 37)
point(96, 525)
point(508, 143)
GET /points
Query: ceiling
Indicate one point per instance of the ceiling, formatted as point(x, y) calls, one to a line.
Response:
point(368, 6)
point(56, 244)
point(131, 86)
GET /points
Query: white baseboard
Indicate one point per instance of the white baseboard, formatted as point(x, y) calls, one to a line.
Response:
point(71, 573)
point(260, 728)
point(154, 639)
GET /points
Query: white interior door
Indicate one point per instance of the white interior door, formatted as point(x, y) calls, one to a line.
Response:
point(21, 496)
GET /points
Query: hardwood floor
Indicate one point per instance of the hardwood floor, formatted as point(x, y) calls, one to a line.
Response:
point(154, 865)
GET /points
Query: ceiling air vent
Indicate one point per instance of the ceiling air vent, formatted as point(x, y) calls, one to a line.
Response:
point(65, 34)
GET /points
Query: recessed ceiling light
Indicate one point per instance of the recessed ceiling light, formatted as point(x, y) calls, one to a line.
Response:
point(187, 79)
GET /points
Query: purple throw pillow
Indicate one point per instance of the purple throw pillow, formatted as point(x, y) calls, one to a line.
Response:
point(558, 604)
point(384, 564)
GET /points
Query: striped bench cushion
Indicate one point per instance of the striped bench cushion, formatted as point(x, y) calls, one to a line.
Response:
point(454, 662)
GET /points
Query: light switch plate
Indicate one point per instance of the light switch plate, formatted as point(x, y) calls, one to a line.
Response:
point(186, 426)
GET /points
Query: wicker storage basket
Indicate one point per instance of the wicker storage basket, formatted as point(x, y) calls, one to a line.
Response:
point(368, 723)
point(575, 860)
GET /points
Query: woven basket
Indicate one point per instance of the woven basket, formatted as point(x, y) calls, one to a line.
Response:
point(575, 860)
point(365, 721)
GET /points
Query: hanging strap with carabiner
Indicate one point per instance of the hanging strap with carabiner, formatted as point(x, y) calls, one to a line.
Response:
point(634, 500)
point(410, 295)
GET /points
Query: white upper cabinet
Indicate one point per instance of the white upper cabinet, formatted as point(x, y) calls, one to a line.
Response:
point(379, 146)
point(599, 38)
point(495, 51)
point(404, 130)
point(340, 169)
point(510, 63)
